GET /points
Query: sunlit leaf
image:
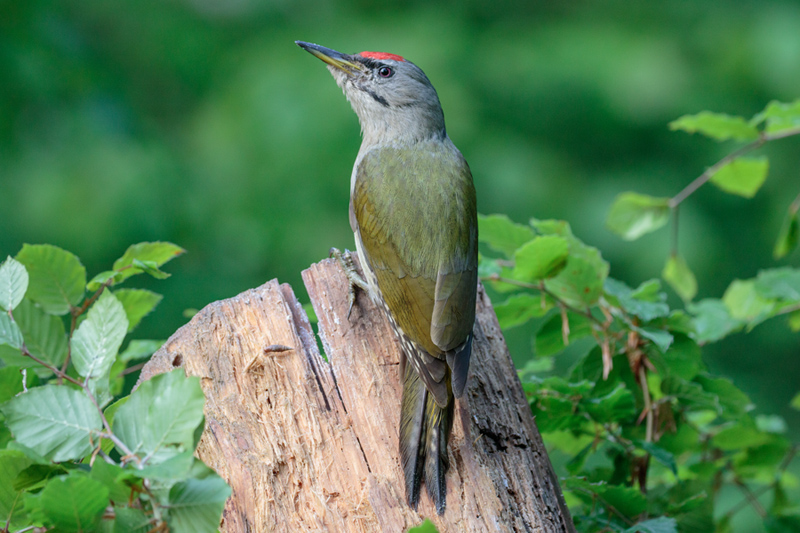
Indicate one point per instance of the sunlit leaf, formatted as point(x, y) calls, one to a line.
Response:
point(45, 337)
point(678, 275)
point(9, 331)
point(744, 302)
point(646, 301)
point(542, 257)
point(743, 176)
point(779, 117)
point(137, 303)
point(779, 283)
point(13, 283)
point(716, 125)
point(145, 257)
point(57, 422)
point(56, 277)
point(519, 308)
point(633, 215)
point(97, 340)
point(503, 235)
point(712, 320)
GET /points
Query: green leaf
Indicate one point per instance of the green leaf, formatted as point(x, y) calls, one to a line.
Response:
point(549, 340)
point(716, 125)
point(503, 235)
point(12, 463)
point(734, 402)
point(795, 403)
point(690, 394)
point(98, 281)
point(662, 339)
point(425, 527)
point(175, 468)
point(111, 475)
point(74, 502)
point(615, 406)
point(150, 267)
point(9, 331)
point(662, 524)
point(519, 308)
point(541, 258)
point(137, 303)
point(743, 176)
point(139, 349)
point(10, 384)
point(55, 421)
point(44, 336)
point(57, 277)
point(13, 283)
point(131, 520)
point(745, 303)
point(659, 454)
point(739, 436)
point(633, 215)
point(712, 321)
point(195, 505)
point(678, 275)
point(682, 359)
point(580, 283)
point(779, 117)
point(97, 340)
point(779, 283)
point(788, 235)
point(145, 256)
point(646, 301)
point(161, 416)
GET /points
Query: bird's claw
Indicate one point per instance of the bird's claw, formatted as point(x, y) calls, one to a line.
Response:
point(354, 279)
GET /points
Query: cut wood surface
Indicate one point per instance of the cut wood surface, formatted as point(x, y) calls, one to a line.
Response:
point(312, 445)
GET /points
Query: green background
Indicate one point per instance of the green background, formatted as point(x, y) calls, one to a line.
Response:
point(200, 122)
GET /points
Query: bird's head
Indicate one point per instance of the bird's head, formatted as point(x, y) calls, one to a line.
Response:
point(393, 98)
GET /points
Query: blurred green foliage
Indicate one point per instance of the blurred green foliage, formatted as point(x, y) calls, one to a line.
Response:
point(201, 123)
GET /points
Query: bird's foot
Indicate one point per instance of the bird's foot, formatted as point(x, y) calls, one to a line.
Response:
point(353, 277)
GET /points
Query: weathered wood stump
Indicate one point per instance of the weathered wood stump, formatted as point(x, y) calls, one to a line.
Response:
point(310, 445)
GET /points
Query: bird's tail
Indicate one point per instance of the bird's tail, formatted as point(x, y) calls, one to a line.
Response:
point(424, 432)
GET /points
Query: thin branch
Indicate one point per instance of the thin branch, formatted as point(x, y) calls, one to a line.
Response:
point(698, 182)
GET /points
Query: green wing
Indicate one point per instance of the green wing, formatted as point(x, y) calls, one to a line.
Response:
point(417, 221)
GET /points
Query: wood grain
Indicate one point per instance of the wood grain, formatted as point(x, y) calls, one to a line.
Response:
point(312, 445)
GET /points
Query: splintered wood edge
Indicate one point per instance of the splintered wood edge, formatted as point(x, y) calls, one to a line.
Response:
point(344, 466)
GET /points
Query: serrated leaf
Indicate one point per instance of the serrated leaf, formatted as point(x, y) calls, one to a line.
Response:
point(55, 421)
point(661, 338)
point(678, 275)
point(661, 524)
point(44, 336)
point(13, 283)
point(97, 340)
point(196, 504)
point(150, 267)
point(137, 303)
point(745, 303)
point(131, 520)
point(646, 301)
point(788, 235)
point(519, 308)
point(56, 277)
point(145, 256)
point(580, 282)
point(175, 468)
point(633, 215)
point(9, 331)
point(161, 415)
point(690, 394)
point(743, 176)
point(11, 464)
point(716, 125)
point(74, 502)
point(543, 257)
point(503, 235)
point(613, 407)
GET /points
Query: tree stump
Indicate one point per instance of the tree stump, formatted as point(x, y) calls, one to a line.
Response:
point(312, 445)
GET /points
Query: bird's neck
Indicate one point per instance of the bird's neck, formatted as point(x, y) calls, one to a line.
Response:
point(402, 127)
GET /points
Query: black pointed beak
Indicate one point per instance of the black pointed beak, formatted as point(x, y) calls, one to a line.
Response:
point(336, 59)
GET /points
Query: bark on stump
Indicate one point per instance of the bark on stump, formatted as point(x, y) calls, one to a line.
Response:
point(310, 445)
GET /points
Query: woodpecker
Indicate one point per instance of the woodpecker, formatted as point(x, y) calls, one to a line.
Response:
point(414, 216)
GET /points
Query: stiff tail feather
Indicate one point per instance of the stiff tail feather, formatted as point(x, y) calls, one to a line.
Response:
point(424, 432)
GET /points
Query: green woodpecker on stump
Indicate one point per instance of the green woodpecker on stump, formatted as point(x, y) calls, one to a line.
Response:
point(412, 209)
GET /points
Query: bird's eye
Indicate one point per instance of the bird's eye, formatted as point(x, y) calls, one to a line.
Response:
point(385, 72)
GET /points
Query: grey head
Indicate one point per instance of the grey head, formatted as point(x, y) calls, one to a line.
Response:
point(393, 98)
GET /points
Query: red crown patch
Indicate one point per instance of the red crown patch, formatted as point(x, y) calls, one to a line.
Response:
point(381, 55)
